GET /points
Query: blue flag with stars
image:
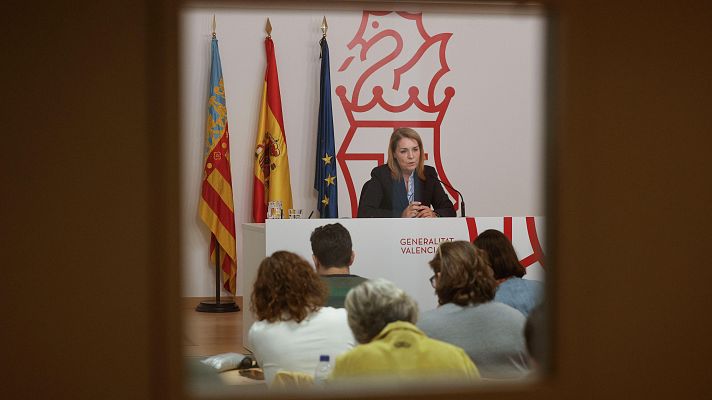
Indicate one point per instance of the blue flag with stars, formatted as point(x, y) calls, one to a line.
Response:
point(325, 172)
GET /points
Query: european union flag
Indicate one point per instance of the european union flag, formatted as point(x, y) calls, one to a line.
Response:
point(325, 172)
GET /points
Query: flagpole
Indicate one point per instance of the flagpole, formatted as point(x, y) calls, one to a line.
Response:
point(217, 274)
point(325, 168)
point(217, 306)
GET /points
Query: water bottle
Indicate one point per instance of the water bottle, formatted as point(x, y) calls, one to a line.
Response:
point(323, 370)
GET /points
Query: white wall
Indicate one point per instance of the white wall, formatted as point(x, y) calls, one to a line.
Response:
point(492, 134)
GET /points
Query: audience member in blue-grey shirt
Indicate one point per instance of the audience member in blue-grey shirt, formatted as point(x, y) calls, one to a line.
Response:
point(490, 332)
point(522, 294)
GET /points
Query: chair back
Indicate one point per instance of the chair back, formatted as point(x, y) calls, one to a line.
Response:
point(292, 380)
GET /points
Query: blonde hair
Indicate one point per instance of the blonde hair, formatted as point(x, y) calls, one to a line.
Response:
point(396, 136)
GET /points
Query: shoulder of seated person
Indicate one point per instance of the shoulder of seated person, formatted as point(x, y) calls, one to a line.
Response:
point(504, 309)
point(381, 171)
point(332, 311)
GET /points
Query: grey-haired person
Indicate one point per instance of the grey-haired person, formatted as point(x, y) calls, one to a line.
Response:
point(382, 318)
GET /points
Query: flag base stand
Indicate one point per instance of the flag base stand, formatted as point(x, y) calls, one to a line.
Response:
point(217, 306)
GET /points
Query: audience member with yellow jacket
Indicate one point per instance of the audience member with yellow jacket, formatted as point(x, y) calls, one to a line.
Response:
point(382, 318)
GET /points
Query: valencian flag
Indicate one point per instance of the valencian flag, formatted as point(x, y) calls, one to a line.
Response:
point(271, 168)
point(325, 172)
point(216, 203)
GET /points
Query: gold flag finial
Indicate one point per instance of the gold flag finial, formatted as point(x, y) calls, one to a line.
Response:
point(268, 28)
point(213, 26)
point(324, 26)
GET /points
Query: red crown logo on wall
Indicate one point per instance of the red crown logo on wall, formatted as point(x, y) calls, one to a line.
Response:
point(384, 56)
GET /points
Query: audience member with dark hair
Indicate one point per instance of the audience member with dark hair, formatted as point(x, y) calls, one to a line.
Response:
point(333, 256)
point(293, 328)
point(490, 332)
point(382, 318)
point(522, 294)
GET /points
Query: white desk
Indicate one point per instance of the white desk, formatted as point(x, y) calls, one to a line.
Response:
point(396, 249)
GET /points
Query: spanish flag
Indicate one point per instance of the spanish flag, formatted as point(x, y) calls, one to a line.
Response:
point(216, 203)
point(271, 168)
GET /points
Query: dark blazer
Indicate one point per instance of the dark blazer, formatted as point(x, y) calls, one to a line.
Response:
point(384, 197)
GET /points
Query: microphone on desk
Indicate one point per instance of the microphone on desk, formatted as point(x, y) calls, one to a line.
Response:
point(462, 200)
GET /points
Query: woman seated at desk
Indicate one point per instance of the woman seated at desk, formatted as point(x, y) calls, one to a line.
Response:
point(404, 187)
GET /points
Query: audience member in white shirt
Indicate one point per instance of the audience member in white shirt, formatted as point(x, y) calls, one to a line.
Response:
point(292, 327)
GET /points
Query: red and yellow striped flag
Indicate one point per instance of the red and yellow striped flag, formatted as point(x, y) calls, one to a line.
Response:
point(271, 168)
point(216, 207)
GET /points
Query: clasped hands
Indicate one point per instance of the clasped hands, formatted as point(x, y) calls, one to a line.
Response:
point(417, 210)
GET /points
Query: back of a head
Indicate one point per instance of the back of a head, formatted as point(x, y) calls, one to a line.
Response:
point(374, 304)
point(464, 276)
point(500, 252)
point(286, 288)
point(331, 244)
point(535, 334)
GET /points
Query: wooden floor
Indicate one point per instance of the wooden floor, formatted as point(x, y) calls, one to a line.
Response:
point(207, 334)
